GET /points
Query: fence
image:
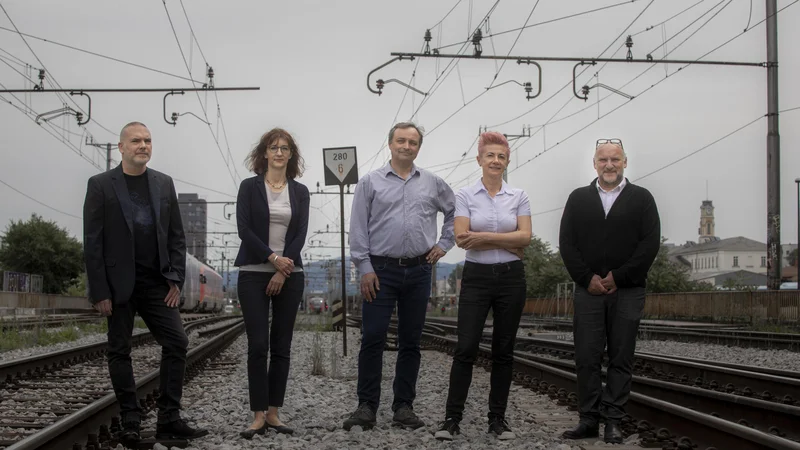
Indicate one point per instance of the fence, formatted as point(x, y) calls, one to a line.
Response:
point(22, 282)
point(724, 307)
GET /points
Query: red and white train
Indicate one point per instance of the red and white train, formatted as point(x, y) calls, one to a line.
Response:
point(202, 289)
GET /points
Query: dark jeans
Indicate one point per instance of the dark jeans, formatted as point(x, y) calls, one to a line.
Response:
point(165, 325)
point(599, 319)
point(501, 288)
point(268, 388)
point(409, 288)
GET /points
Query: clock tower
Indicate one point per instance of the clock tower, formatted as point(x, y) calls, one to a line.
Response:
point(706, 230)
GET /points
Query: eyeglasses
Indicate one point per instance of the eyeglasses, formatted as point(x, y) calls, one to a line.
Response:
point(614, 141)
point(284, 149)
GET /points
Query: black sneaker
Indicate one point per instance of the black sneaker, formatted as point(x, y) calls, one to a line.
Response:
point(404, 417)
point(178, 429)
point(448, 430)
point(499, 427)
point(363, 416)
point(129, 435)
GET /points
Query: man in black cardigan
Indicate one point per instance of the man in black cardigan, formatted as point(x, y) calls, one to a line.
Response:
point(135, 254)
point(610, 235)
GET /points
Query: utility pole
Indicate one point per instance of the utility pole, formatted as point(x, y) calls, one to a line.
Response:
point(108, 147)
point(434, 290)
point(773, 153)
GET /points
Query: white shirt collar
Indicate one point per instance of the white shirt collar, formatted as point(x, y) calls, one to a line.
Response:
point(478, 186)
point(618, 188)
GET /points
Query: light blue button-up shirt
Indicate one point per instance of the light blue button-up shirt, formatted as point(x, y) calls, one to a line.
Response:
point(397, 218)
point(496, 215)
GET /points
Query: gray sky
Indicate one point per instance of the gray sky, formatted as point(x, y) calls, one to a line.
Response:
point(311, 60)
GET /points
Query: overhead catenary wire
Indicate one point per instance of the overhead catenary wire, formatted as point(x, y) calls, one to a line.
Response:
point(51, 76)
point(99, 55)
point(688, 155)
point(570, 16)
point(233, 174)
point(216, 96)
point(39, 202)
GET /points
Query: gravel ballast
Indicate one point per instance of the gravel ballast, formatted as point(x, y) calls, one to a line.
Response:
point(316, 405)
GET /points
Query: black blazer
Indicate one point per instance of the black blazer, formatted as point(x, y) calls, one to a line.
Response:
point(108, 246)
point(252, 219)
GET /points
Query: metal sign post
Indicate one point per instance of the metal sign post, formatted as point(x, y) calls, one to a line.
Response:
point(341, 168)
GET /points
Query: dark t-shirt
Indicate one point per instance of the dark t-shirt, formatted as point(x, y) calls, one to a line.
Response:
point(148, 271)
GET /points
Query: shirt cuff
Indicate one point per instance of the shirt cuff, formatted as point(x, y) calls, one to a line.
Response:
point(445, 245)
point(365, 267)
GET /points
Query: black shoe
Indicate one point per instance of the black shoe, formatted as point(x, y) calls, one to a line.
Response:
point(282, 429)
point(613, 433)
point(405, 417)
point(364, 417)
point(582, 431)
point(448, 430)
point(178, 429)
point(499, 427)
point(129, 436)
point(250, 432)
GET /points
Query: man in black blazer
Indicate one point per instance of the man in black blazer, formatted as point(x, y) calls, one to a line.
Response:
point(610, 236)
point(135, 254)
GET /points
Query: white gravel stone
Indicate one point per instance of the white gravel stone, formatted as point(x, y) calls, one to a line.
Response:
point(316, 406)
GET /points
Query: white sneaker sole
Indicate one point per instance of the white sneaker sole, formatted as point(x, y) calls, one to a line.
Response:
point(443, 436)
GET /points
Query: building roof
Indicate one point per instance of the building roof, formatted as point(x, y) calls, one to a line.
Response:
point(738, 243)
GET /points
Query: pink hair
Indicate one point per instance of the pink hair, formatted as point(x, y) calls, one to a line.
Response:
point(492, 138)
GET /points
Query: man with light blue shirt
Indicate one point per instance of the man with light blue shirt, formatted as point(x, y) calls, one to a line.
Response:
point(393, 244)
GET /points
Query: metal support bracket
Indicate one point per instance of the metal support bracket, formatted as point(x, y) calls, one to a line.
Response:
point(574, 76)
point(174, 114)
point(78, 115)
point(528, 88)
point(379, 84)
point(225, 213)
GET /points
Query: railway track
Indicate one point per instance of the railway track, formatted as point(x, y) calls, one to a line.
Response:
point(675, 402)
point(723, 336)
point(65, 397)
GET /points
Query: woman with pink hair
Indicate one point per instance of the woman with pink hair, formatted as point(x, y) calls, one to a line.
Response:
point(493, 224)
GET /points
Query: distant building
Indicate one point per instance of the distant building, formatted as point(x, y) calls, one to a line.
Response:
point(706, 230)
point(194, 215)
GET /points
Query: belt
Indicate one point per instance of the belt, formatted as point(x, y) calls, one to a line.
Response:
point(498, 268)
point(403, 262)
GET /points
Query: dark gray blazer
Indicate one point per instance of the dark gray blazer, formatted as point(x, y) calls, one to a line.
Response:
point(108, 245)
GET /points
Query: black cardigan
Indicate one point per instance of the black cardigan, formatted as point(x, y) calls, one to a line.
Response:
point(252, 219)
point(625, 243)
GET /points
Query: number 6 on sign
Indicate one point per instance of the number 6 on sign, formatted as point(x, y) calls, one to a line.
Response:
point(341, 166)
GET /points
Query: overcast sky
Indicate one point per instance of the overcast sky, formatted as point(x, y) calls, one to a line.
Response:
point(311, 59)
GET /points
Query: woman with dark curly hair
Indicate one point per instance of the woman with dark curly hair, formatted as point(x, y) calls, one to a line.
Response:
point(272, 217)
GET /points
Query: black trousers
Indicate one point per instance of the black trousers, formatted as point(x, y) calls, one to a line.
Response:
point(601, 319)
point(501, 288)
point(165, 325)
point(268, 388)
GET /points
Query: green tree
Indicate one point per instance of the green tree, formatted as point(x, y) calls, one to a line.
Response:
point(454, 275)
point(40, 247)
point(791, 258)
point(669, 276)
point(78, 288)
point(544, 269)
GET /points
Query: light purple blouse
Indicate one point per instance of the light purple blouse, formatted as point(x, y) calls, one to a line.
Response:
point(496, 215)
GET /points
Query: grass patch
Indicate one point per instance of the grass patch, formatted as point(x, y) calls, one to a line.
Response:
point(14, 338)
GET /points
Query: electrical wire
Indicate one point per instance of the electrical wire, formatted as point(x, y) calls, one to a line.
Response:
point(110, 58)
point(54, 81)
point(39, 202)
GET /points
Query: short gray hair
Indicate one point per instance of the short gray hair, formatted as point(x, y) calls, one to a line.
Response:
point(130, 124)
point(405, 125)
